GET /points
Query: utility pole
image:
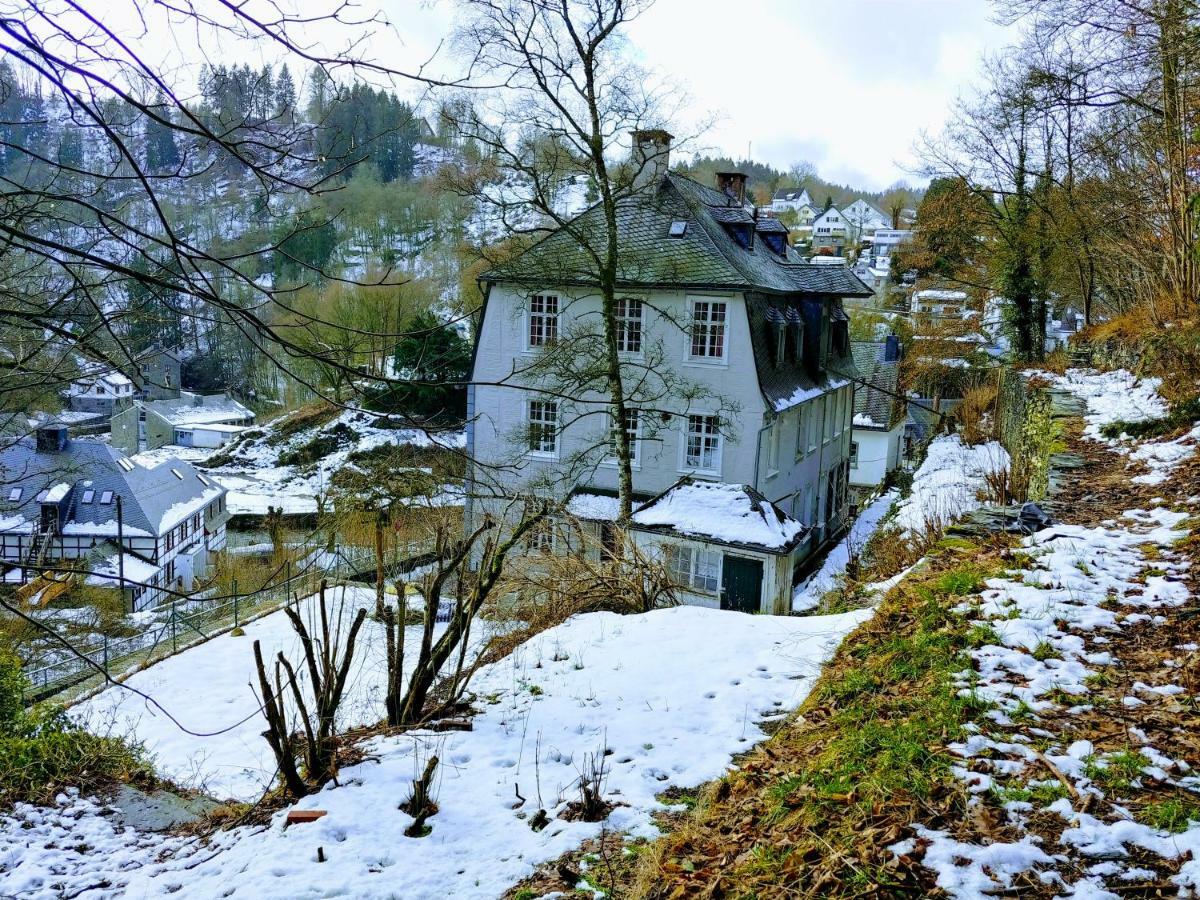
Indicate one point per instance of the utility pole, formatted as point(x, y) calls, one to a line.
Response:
point(121, 554)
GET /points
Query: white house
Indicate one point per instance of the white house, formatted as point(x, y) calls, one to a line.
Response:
point(790, 198)
point(863, 220)
point(190, 420)
point(938, 302)
point(82, 505)
point(102, 393)
point(757, 421)
point(877, 438)
point(830, 229)
point(885, 242)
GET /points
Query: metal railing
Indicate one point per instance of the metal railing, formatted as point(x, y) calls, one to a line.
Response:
point(184, 622)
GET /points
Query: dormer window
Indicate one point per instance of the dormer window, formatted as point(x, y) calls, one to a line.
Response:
point(777, 243)
point(743, 235)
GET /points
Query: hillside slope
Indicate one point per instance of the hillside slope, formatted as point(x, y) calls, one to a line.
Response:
point(1019, 718)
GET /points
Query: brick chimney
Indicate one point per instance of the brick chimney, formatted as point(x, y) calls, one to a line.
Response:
point(733, 185)
point(651, 156)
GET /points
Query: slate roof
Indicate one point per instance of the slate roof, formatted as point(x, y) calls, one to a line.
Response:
point(788, 382)
point(153, 499)
point(704, 257)
point(884, 409)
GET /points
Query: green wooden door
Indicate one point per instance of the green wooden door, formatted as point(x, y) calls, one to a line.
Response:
point(741, 584)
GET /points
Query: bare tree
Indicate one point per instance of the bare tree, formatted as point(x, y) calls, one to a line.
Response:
point(571, 98)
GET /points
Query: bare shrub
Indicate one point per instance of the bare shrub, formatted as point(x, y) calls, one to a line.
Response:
point(420, 803)
point(327, 661)
point(977, 413)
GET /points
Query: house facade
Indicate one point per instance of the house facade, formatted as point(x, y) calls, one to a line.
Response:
point(863, 220)
point(746, 335)
point(877, 429)
point(82, 505)
point(160, 371)
point(102, 393)
point(830, 231)
point(190, 420)
point(791, 198)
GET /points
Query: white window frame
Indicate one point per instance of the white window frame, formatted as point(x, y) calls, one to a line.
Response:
point(635, 443)
point(773, 440)
point(542, 538)
point(542, 407)
point(854, 454)
point(14, 495)
point(815, 415)
point(718, 451)
point(691, 580)
point(708, 359)
point(88, 496)
point(625, 320)
point(549, 322)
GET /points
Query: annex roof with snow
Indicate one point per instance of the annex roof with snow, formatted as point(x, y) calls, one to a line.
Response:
point(733, 514)
point(83, 479)
point(199, 409)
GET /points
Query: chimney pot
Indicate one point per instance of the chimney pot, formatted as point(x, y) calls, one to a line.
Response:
point(651, 156)
point(733, 185)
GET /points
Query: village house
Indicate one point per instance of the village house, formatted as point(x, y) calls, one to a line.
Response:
point(877, 429)
point(102, 393)
point(863, 220)
point(939, 303)
point(829, 231)
point(83, 505)
point(189, 420)
point(790, 198)
point(739, 481)
point(160, 373)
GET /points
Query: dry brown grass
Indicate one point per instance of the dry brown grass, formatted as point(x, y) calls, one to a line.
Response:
point(977, 413)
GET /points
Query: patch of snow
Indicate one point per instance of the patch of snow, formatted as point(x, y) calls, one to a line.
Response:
point(947, 484)
point(722, 512)
point(809, 594)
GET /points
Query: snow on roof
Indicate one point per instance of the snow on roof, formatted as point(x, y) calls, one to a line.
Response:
point(220, 427)
point(107, 572)
point(933, 294)
point(57, 493)
point(594, 507)
point(194, 409)
point(862, 420)
point(731, 513)
point(15, 525)
point(803, 394)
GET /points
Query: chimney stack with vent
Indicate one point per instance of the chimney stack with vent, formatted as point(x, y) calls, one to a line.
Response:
point(651, 156)
point(733, 185)
point(52, 438)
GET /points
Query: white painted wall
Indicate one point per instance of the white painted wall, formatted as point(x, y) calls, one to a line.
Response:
point(878, 454)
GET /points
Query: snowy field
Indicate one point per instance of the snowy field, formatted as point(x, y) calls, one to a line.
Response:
point(670, 696)
point(211, 686)
point(948, 483)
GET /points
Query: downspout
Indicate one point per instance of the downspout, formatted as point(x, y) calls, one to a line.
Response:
point(758, 448)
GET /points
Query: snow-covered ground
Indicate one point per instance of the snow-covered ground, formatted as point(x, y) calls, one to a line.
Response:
point(1058, 627)
point(212, 686)
point(948, 483)
point(809, 594)
point(1119, 396)
point(667, 698)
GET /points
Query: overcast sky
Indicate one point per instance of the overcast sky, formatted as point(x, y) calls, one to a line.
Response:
point(848, 85)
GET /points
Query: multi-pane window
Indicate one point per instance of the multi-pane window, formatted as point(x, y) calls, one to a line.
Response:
point(633, 428)
point(543, 426)
point(854, 454)
point(629, 325)
point(816, 408)
point(703, 447)
point(543, 320)
point(773, 447)
point(694, 568)
point(708, 329)
point(541, 538)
